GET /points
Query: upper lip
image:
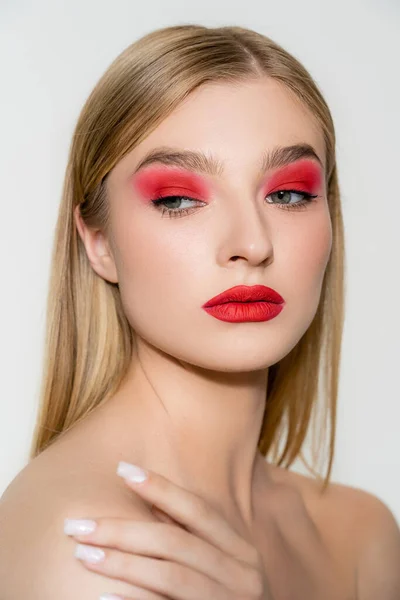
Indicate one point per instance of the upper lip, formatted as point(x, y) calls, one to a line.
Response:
point(244, 293)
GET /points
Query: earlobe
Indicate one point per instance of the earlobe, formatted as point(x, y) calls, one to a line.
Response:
point(97, 249)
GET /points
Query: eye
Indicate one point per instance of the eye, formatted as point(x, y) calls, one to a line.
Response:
point(178, 208)
point(285, 195)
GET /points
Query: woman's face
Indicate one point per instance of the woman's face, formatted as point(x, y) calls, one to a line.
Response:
point(235, 229)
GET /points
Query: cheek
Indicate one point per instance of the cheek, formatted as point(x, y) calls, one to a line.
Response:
point(310, 249)
point(155, 266)
point(320, 246)
point(304, 264)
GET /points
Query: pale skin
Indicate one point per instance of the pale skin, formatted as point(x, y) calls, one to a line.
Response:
point(190, 409)
point(205, 557)
point(167, 268)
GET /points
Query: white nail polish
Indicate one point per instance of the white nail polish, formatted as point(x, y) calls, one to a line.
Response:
point(110, 597)
point(78, 526)
point(131, 472)
point(89, 553)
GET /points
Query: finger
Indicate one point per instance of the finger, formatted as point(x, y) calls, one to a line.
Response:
point(163, 516)
point(191, 511)
point(163, 577)
point(169, 542)
point(140, 594)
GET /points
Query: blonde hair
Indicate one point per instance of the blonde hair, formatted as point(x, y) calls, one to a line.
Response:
point(89, 340)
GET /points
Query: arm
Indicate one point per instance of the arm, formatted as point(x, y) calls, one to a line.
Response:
point(379, 564)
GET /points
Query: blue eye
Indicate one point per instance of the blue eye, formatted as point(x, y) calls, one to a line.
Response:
point(175, 211)
point(178, 211)
point(307, 199)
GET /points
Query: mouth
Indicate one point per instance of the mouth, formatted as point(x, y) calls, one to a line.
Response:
point(246, 294)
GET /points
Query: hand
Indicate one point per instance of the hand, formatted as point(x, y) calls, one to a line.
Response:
point(205, 558)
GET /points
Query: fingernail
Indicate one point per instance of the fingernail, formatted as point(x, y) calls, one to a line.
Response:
point(131, 472)
point(79, 526)
point(89, 553)
point(110, 597)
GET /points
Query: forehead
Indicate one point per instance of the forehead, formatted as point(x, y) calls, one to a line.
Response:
point(235, 122)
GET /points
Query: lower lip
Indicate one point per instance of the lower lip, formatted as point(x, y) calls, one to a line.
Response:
point(239, 312)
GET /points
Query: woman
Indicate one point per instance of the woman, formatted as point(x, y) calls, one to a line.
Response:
point(195, 310)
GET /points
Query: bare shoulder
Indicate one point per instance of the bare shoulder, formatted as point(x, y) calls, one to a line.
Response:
point(359, 528)
point(36, 557)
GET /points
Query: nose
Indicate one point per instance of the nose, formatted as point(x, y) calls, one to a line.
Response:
point(246, 235)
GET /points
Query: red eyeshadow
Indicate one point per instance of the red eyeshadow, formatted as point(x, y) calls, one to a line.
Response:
point(304, 174)
point(155, 181)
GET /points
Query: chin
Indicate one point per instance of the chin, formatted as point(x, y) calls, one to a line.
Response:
point(242, 359)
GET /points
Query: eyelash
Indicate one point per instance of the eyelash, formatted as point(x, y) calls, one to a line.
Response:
point(302, 205)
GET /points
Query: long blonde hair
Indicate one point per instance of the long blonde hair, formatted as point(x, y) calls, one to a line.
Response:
point(89, 340)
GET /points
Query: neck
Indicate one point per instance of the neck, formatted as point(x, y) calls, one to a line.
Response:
point(196, 427)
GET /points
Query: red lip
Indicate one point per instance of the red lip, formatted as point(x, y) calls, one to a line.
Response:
point(244, 293)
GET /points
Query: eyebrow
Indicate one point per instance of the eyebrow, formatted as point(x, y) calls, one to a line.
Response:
point(192, 160)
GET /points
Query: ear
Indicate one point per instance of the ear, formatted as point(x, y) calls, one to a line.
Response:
point(97, 249)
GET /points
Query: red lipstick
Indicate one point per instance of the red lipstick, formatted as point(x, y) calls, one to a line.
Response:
point(245, 303)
